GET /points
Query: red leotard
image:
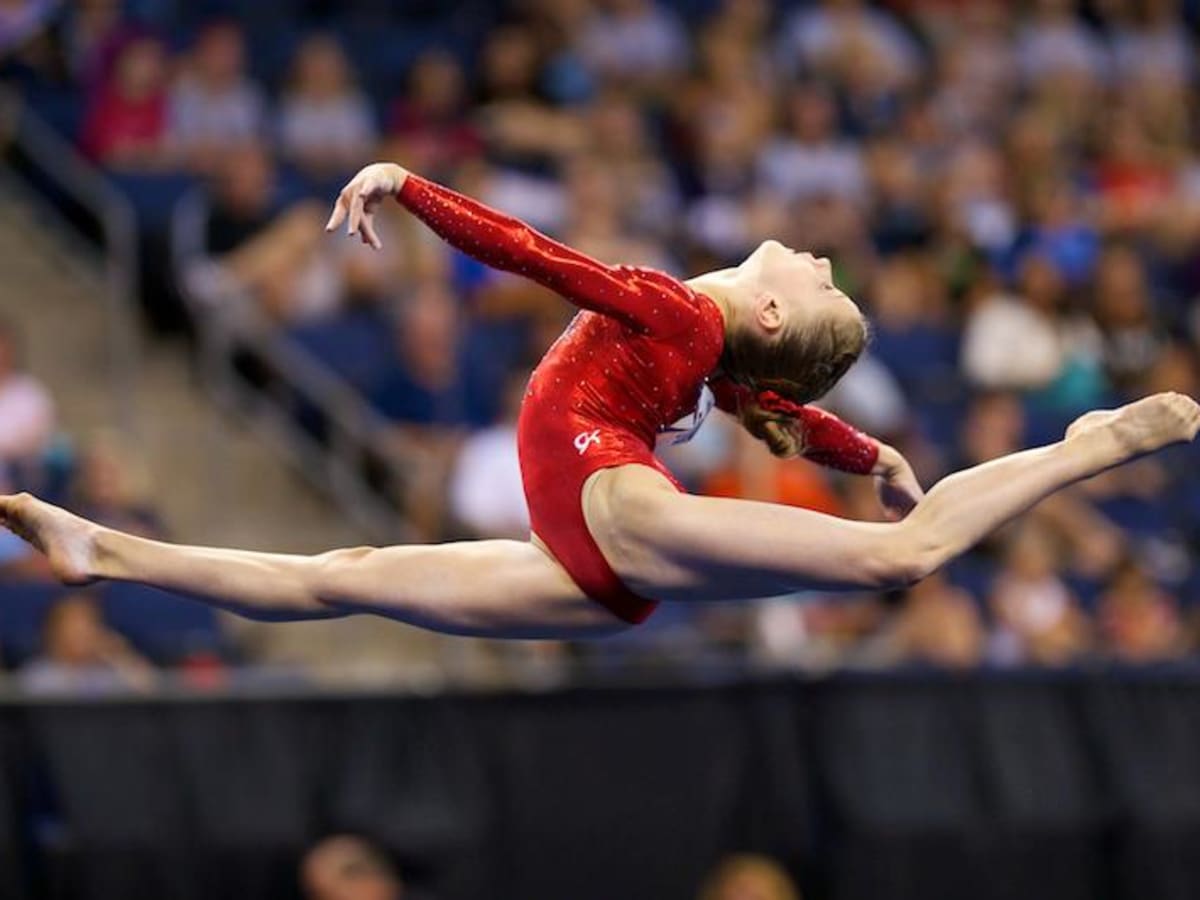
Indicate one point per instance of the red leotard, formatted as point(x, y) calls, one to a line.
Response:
point(631, 363)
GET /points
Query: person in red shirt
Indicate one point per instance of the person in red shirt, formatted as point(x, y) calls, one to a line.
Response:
point(126, 124)
point(612, 532)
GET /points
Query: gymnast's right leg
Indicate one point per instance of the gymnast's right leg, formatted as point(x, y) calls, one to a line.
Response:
point(483, 588)
point(672, 546)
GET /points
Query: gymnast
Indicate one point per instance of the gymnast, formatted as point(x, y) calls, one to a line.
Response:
point(613, 534)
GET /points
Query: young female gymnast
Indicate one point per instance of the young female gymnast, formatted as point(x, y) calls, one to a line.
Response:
point(612, 532)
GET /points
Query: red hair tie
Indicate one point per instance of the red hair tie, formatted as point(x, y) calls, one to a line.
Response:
point(826, 439)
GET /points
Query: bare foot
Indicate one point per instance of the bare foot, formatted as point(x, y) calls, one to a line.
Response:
point(67, 540)
point(1144, 426)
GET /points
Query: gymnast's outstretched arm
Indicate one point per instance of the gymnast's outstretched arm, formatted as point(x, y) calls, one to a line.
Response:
point(504, 242)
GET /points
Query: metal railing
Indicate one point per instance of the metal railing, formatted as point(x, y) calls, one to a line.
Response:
point(353, 430)
point(55, 160)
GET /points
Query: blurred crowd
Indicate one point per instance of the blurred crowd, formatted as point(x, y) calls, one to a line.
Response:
point(1010, 190)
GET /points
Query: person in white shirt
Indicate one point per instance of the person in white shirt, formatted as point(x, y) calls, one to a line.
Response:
point(486, 493)
point(214, 108)
point(27, 416)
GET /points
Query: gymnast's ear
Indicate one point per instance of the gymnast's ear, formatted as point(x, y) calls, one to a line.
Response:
point(768, 312)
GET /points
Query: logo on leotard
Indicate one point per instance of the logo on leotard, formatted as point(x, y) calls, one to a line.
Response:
point(585, 439)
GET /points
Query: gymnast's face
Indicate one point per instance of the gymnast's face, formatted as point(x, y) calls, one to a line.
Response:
point(791, 289)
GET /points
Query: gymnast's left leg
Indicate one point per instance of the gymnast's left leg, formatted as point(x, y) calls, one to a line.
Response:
point(482, 588)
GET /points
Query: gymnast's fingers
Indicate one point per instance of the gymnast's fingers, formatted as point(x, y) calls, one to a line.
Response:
point(369, 235)
point(356, 211)
point(339, 210)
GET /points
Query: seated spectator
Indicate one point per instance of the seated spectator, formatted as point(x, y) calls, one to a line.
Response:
point(291, 268)
point(424, 385)
point(243, 200)
point(1132, 338)
point(939, 625)
point(901, 216)
point(1010, 343)
point(747, 876)
point(810, 158)
point(832, 38)
point(88, 35)
point(1055, 43)
point(977, 194)
point(648, 195)
point(525, 136)
point(595, 222)
point(429, 125)
point(81, 655)
point(350, 868)
point(1038, 619)
point(111, 487)
point(241, 243)
point(915, 337)
point(1134, 177)
point(1151, 40)
point(994, 426)
point(1139, 621)
point(486, 492)
point(126, 125)
point(429, 391)
point(634, 41)
point(1061, 228)
point(28, 417)
point(326, 125)
point(214, 107)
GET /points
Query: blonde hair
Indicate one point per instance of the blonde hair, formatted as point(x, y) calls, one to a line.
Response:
point(801, 365)
point(762, 869)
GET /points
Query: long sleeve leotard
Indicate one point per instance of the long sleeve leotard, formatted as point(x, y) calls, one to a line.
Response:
point(634, 361)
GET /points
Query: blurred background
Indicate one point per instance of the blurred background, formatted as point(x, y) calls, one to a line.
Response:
point(1011, 190)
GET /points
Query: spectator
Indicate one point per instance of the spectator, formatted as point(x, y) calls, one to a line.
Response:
point(349, 868)
point(838, 35)
point(1132, 339)
point(811, 159)
point(245, 242)
point(82, 655)
point(429, 125)
point(214, 107)
point(939, 625)
point(747, 876)
point(111, 487)
point(1138, 620)
point(126, 125)
point(326, 126)
point(486, 493)
point(634, 41)
point(1038, 619)
point(647, 192)
point(1054, 43)
point(1010, 343)
point(27, 415)
point(425, 385)
point(89, 33)
point(429, 391)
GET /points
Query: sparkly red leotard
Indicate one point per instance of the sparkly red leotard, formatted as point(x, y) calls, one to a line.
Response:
point(634, 361)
